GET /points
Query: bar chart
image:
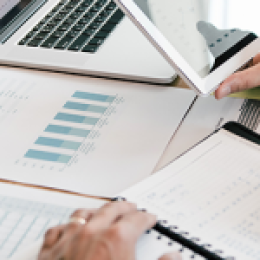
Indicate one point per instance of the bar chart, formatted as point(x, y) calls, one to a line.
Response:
point(70, 128)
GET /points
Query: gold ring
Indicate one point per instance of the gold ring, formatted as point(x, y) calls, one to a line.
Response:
point(78, 220)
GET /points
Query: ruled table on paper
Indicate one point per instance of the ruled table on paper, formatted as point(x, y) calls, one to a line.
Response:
point(23, 222)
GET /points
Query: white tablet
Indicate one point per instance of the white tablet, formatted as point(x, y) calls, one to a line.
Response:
point(204, 40)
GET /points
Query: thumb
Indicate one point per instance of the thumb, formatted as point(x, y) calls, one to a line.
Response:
point(171, 256)
point(239, 81)
point(243, 80)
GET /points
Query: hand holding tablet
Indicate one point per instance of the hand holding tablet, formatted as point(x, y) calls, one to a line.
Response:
point(242, 80)
point(205, 41)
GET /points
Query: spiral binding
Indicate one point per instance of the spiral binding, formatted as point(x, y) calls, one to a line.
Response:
point(193, 239)
point(216, 254)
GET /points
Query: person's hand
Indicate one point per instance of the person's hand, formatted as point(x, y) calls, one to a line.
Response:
point(171, 256)
point(108, 233)
point(242, 80)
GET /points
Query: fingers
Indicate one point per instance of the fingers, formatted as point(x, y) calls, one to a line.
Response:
point(82, 214)
point(256, 59)
point(78, 239)
point(240, 81)
point(116, 225)
point(96, 222)
point(52, 236)
point(135, 224)
point(171, 256)
point(109, 214)
point(74, 227)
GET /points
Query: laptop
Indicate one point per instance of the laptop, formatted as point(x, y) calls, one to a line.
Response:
point(91, 37)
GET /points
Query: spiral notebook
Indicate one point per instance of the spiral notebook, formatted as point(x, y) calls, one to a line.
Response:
point(207, 201)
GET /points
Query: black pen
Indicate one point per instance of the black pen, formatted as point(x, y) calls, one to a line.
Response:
point(200, 250)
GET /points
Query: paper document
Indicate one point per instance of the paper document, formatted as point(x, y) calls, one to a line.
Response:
point(29, 215)
point(206, 115)
point(210, 195)
point(87, 135)
point(26, 214)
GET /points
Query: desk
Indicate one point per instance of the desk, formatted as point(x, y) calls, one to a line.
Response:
point(93, 80)
point(206, 114)
point(177, 83)
point(168, 153)
point(66, 89)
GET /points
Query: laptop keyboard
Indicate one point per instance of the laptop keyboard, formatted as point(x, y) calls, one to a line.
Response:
point(74, 25)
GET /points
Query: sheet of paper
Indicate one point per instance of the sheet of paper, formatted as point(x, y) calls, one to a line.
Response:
point(212, 192)
point(206, 115)
point(26, 213)
point(29, 252)
point(152, 246)
point(160, 246)
point(87, 135)
point(35, 214)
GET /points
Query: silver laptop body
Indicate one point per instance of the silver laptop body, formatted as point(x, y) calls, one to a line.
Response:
point(91, 37)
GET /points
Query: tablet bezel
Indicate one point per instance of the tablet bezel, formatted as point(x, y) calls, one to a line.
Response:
point(202, 86)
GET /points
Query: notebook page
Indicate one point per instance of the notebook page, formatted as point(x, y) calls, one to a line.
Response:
point(26, 214)
point(212, 192)
point(152, 246)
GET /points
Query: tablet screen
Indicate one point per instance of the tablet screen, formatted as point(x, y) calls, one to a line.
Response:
point(206, 33)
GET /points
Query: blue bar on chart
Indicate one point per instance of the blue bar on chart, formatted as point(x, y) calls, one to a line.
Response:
point(59, 143)
point(47, 156)
point(76, 119)
point(57, 129)
point(93, 97)
point(85, 107)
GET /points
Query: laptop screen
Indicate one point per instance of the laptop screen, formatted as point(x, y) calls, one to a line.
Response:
point(206, 33)
point(9, 9)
